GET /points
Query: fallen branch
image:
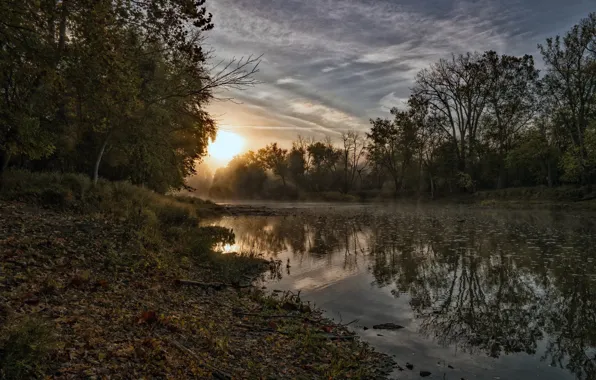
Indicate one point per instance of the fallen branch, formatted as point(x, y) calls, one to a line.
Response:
point(215, 285)
point(216, 372)
point(265, 316)
point(349, 323)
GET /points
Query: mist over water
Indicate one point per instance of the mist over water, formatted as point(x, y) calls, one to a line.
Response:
point(493, 294)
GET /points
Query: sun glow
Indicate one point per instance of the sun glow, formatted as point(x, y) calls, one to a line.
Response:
point(226, 146)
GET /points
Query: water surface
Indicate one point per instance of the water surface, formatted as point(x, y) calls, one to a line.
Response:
point(493, 294)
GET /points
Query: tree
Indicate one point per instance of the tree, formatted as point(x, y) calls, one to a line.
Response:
point(298, 161)
point(571, 83)
point(27, 82)
point(117, 87)
point(243, 177)
point(392, 144)
point(457, 90)
point(353, 152)
point(275, 159)
point(536, 152)
point(323, 158)
point(511, 102)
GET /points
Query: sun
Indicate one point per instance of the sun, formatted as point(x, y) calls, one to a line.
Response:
point(226, 146)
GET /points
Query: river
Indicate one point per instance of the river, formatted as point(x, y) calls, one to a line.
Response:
point(481, 294)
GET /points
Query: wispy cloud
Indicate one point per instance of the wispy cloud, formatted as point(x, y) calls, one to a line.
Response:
point(329, 64)
point(288, 80)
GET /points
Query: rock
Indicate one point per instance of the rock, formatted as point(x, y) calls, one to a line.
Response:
point(400, 368)
point(387, 326)
point(364, 328)
point(410, 366)
point(379, 334)
point(450, 366)
point(424, 373)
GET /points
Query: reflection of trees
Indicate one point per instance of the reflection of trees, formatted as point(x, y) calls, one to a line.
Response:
point(498, 286)
point(572, 308)
point(497, 283)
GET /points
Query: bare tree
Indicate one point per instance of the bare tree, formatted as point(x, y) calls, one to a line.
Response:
point(353, 153)
point(456, 89)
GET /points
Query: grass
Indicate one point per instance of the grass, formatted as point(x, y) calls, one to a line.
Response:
point(25, 348)
point(539, 193)
point(561, 197)
point(120, 200)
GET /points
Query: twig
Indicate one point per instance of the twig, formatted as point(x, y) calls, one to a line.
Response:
point(324, 336)
point(349, 323)
point(265, 316)
point(216, 285)
point(269, 316)
point(218, 373)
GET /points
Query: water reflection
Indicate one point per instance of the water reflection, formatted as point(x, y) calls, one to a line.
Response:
point(488, 283)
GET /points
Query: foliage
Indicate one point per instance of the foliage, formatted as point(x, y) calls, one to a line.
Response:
point(111, 87)
point(570, 87)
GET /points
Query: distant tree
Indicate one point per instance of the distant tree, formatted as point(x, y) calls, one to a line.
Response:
point(243, 177)
point(392, 144)
point(275, 159)
point(352, 154)
point(323, 158)
point(298, 164)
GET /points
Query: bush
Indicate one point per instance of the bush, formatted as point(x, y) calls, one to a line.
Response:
point(25, 350)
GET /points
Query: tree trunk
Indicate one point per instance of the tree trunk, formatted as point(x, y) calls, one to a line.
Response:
point(5, 160)
point(396, 182)
point(432, 186)
point(501, 179)
point(4, 165)
point(549, 170)
point(420, 178)
point(98, 159)
point(62, 32)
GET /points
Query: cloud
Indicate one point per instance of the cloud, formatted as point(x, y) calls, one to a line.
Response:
point(332, 63)
point(328, 114)
point(288, 80)
point(390, 100)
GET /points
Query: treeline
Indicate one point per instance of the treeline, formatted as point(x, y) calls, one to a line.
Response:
point(110, 88)
point(473, 122)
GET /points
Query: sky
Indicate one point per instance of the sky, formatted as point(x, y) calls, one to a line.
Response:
point(329, 66)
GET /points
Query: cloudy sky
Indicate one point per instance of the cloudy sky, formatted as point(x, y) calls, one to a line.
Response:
point(330, 65)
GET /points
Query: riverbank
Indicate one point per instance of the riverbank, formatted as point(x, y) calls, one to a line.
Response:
point(112, 280)
point(561, 197)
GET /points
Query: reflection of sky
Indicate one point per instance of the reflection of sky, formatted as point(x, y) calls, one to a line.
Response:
point(493, 247)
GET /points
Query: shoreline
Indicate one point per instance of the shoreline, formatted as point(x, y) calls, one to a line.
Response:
point(104, 308)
